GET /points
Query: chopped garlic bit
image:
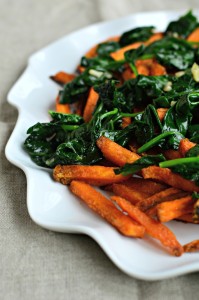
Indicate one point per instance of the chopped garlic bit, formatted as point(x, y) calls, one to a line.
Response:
point(175, 35)
point(99, 74)
point(195, 72)
point(107, 75)
point(179, 74)
point(96, 73)
point(168, 87)
point(173, 103)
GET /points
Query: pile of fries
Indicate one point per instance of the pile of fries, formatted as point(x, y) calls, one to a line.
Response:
point(149, 201)
point(137, 205)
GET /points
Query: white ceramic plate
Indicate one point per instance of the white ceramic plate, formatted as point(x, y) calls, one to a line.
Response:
point(50, 204)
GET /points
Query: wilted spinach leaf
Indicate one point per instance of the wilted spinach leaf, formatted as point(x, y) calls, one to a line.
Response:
point(140, 164)
point(106, 48)
point(183, 26)
point(172, 53)
point(138, 34)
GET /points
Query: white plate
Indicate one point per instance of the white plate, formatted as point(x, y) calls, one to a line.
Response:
point(50, 204)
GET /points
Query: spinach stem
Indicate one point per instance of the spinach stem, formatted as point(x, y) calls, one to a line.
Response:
point(109, 113)
point(134, 69)
point(154, 141)
point(70, 127)
point(131, 115)
point(178, 161)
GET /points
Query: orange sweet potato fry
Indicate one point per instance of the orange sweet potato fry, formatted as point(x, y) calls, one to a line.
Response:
point(128, 74)
point(126, 121)
point(62, 77)
point(142, 188)
point(132, 195)
point(90, 104)
point(155, 37)
point(145, 186)
point(157, 69)
point(143, 66)
point(196, 211)
point(95, 175)
point(188, 218)
point(119, 54)
point(154, 228)
point(157, 198)
point(172, 154)
point(92, 51)
point(192, 246)
point(194, 36)
point(106, 209)
point(184, 146)
point(161, 113)
point(116, 153)
point(62, 108)
point(170, 210)
point(150, 67)
point(167, 176)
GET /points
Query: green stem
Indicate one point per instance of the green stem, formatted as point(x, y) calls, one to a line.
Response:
point(70, 127)
point(154, 141)
point(131, 115)
point(109, 113)
point(134, 69)
point(178, 161)
point(146, 56)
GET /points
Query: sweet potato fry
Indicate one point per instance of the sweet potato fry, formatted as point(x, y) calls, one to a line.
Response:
point(62, 77)
point(161, 113)
point(157, 69)
point(92, 51)
point(106, 209)
point(126, 121)
point(169, 210)
point(153, 227)
point(188, 218)
point(145, 186)
point(157, 198)
point(192, 246)
point(172, 154)
point(116, 153)
point(90, 104)
point(151, 67)
point(132, 195)
point(128, 74)
point(145, 67)
point(167, 176)
point(184, 146)
point(194, 36)
point(95, 175)
point(119, 54)
point(155, 37)
point(62, 108)
point(196, 211)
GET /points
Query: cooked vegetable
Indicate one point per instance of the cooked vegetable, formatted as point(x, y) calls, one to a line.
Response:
point(170, 210)
point(157, 198)
point(127, 121)
point(106, 209)
point(192, 246)
point(95, 175)
point(167, 176)
point(116, 153)
point(153, 228)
